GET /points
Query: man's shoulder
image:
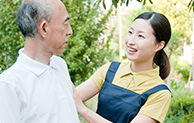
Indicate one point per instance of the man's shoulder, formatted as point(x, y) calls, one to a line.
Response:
point(11, 73)
point(59, 63)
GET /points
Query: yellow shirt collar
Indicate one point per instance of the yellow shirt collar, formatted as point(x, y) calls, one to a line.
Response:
point(139, 77)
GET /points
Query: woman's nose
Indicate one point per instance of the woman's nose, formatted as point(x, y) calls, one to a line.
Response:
point(130, 41)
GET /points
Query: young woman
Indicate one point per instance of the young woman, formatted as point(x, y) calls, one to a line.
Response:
point(133, 90)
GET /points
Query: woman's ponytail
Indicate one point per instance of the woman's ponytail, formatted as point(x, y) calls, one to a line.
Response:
point(161, 59)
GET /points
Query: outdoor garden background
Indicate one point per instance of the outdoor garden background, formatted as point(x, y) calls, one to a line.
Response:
point(98, 37)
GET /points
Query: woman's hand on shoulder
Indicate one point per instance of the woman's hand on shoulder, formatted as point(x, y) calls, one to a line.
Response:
point(78, 102)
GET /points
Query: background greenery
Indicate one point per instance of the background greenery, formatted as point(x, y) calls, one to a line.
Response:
point(10, 37)
point(88, 47)
point(181, 106)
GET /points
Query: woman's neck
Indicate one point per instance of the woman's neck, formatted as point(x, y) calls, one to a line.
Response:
point(139, 66)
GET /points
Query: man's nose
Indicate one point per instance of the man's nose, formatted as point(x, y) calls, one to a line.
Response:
point(70, 31)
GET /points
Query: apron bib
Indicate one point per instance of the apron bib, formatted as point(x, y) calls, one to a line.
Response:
point(118, 104)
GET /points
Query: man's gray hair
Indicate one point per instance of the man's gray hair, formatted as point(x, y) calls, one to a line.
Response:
point(30, 13)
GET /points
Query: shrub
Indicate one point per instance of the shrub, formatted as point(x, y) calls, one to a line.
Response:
point(181, 107)
point(10, 37)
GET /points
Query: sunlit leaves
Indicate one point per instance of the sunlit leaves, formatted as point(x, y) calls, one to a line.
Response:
point(121, 2)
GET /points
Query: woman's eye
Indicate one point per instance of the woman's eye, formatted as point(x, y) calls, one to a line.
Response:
point(141, 36)
point(130, 32)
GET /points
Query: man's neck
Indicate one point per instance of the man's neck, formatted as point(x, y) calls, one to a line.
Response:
point(36, 51)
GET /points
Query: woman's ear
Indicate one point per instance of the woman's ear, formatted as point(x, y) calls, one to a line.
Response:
point(42, 27)
point(160, 46)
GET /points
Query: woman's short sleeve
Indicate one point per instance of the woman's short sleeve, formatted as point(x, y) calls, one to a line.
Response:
point(99, 76)
point(157, 105)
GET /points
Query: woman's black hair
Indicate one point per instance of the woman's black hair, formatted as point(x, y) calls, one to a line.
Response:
point(162, 32)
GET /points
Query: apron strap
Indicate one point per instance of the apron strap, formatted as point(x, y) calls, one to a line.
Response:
point(153, 90)
point(111, 71)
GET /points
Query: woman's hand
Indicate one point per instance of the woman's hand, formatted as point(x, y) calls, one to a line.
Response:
point(78, 102)
point(86, 113)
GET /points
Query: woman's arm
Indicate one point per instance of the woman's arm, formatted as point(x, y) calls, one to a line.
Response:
point(87, 90)
point(91, 116)
point(140, 118)
point(86, 113)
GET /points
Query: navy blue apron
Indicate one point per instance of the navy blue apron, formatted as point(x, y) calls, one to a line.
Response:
point(118, 104)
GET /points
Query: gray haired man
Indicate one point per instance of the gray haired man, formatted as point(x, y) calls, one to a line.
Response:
point(37, 87)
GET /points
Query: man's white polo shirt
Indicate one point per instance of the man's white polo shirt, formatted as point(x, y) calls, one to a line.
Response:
point(32, 92)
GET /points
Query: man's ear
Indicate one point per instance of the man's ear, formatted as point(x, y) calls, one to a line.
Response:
point(160, 46)
point(42, 28)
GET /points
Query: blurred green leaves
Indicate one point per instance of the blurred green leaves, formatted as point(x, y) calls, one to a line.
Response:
point(10, 37)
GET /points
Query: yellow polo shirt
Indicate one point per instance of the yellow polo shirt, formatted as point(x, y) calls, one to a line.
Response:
point(157, 103)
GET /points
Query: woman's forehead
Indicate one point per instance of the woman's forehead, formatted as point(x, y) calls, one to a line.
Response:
point(141, 25)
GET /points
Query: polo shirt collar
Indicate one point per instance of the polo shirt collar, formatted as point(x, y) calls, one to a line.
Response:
point(141, 77)
point(138, 77)
point(125, 68)
point(34, 66)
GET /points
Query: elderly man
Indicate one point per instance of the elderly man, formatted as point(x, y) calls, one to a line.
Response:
point(37, 88)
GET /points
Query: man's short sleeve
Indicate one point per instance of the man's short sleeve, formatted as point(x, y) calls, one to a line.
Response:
point(9, 104)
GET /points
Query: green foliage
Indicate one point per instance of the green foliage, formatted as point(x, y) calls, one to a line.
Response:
point(191, 5)
point(181, 107)
point(189, 118)
point(87, 47)
point(183, 68)
point(10, 37)
point(121, 2)
point(177, 85)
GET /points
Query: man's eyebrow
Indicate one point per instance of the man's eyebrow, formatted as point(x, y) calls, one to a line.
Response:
point(67, 19)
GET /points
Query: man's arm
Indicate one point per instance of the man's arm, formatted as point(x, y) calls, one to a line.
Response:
point(9, 104)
